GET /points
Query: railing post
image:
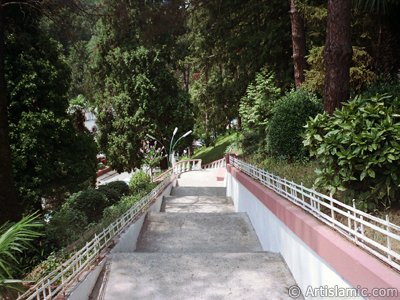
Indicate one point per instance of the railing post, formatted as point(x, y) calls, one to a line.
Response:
point(355, 219)
point(388, 242)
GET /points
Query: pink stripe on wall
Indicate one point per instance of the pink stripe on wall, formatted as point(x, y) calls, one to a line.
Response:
point(356, 266)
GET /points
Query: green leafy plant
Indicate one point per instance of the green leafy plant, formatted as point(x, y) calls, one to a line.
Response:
point(114, 191)
point(139, 182)
point(121, 187)
point(91, 202)
point(256, 106)
point(287, 124)
point(152, 156)
point(359, 149)
point(66, 226)
point(361, 74)
point(14, 239)
point(255, 110)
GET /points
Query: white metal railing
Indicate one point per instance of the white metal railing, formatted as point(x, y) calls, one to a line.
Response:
point(378, 236)
point(59, 279)
point(220, 163)
point(187, 165)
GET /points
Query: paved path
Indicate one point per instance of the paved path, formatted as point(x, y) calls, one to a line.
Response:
point(197, 248)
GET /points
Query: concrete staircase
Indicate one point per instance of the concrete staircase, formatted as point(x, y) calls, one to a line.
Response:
point(197, 248)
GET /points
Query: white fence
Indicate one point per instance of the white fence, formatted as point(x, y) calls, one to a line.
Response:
point(187, 165)
point(180, 167)
point(220, 163)
point(378, 236)
point(59, 279)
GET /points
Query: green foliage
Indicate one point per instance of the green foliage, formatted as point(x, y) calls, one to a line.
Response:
point(256, 106)
point(288, 121)
point(50, 158)
point(361, 74)
point(140, 182)
point(359, 149)
point(140, 95)
point(152, 156)
point(228, 45)
point(65, 227)
point(256, 110)
point(91, 202)
point(114, 191)
point(212, 99)
point(216, 151)
point(15, 239)
point(113, 212)
point(112, 195)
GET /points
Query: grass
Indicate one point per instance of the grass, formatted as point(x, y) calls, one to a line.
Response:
point(216, 151)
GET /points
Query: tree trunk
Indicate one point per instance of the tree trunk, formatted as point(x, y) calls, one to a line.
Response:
point(337, 54)
point(8, 195)
point(298, 44)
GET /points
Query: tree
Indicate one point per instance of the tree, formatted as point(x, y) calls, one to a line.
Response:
point(140, 97)
point(298, 43)
point(8, 192)
point(228, 45)
point(337, 54)
point(41, 134)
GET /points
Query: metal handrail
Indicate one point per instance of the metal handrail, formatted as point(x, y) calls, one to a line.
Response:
point(59, 279)
point(375, 235)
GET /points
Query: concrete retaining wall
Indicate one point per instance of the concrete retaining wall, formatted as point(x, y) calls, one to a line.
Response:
point(125, 243)
point(317, 256)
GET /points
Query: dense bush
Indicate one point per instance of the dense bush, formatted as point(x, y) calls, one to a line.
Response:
point(66, 226)
point(114, 191)
point(139, 182)
point(287, 124)
point(359, 149)
point(112, 195)
point(384, 86)
point(91, 202)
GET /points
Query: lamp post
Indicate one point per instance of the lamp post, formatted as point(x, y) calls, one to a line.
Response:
point(173, 146)
point(170, 144)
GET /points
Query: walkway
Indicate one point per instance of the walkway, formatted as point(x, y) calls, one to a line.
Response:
point(197, 248)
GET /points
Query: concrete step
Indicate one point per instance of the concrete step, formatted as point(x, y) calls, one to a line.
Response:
point(197, 276)
point(198, 232)
point(198, 191)
point(204, 204)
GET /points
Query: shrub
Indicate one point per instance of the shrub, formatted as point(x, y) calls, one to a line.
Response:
point(112, 195)
point(66, 226)
point(139, 182)
point(113, 212)
point(91, 202)
point(287, 124)
point(359, 149)
point(114, 191)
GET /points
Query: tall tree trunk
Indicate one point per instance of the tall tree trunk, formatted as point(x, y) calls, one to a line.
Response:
point(8, 196)
point(337, 54)
point(298, 44)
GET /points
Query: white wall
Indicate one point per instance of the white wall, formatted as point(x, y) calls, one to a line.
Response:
point(307, 268)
